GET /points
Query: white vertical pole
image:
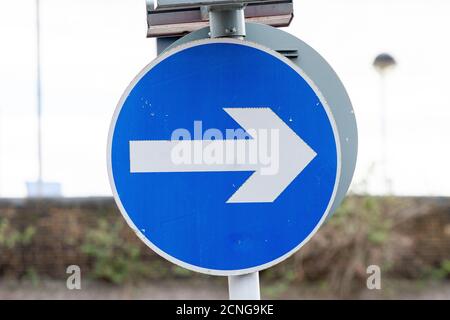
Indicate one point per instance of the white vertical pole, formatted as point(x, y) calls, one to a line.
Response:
point(39, 99)
point(244, 287)
point(229, 21)
point(383, 127)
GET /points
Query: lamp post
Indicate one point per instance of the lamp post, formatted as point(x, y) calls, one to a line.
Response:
point(383, 64)
point(38, 99)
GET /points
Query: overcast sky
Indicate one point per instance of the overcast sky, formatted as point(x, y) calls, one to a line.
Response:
point(91, 50)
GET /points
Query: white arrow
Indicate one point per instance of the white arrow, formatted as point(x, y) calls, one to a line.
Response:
point(263, 185)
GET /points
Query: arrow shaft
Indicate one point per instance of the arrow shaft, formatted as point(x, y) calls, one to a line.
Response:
point(193, 156)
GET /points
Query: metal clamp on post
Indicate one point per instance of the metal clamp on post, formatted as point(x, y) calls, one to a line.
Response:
point(227, 21)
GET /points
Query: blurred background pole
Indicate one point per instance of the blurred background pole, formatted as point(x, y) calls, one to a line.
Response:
point(383, 63)
point(38, 99)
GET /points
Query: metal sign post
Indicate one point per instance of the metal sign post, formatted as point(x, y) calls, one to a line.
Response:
point(229, 21)
point(244, 287)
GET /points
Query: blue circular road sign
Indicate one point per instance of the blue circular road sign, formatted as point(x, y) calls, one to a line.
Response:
point(223, 156)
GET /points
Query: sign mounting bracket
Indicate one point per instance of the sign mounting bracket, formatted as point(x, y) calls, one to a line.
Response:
point(227, 21)
point(176, 18)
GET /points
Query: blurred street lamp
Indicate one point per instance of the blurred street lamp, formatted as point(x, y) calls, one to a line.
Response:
point(384, 63)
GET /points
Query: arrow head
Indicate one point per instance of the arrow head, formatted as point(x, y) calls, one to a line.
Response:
point(293, 154)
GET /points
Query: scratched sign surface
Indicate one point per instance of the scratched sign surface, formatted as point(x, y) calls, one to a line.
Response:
point(223, 156)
